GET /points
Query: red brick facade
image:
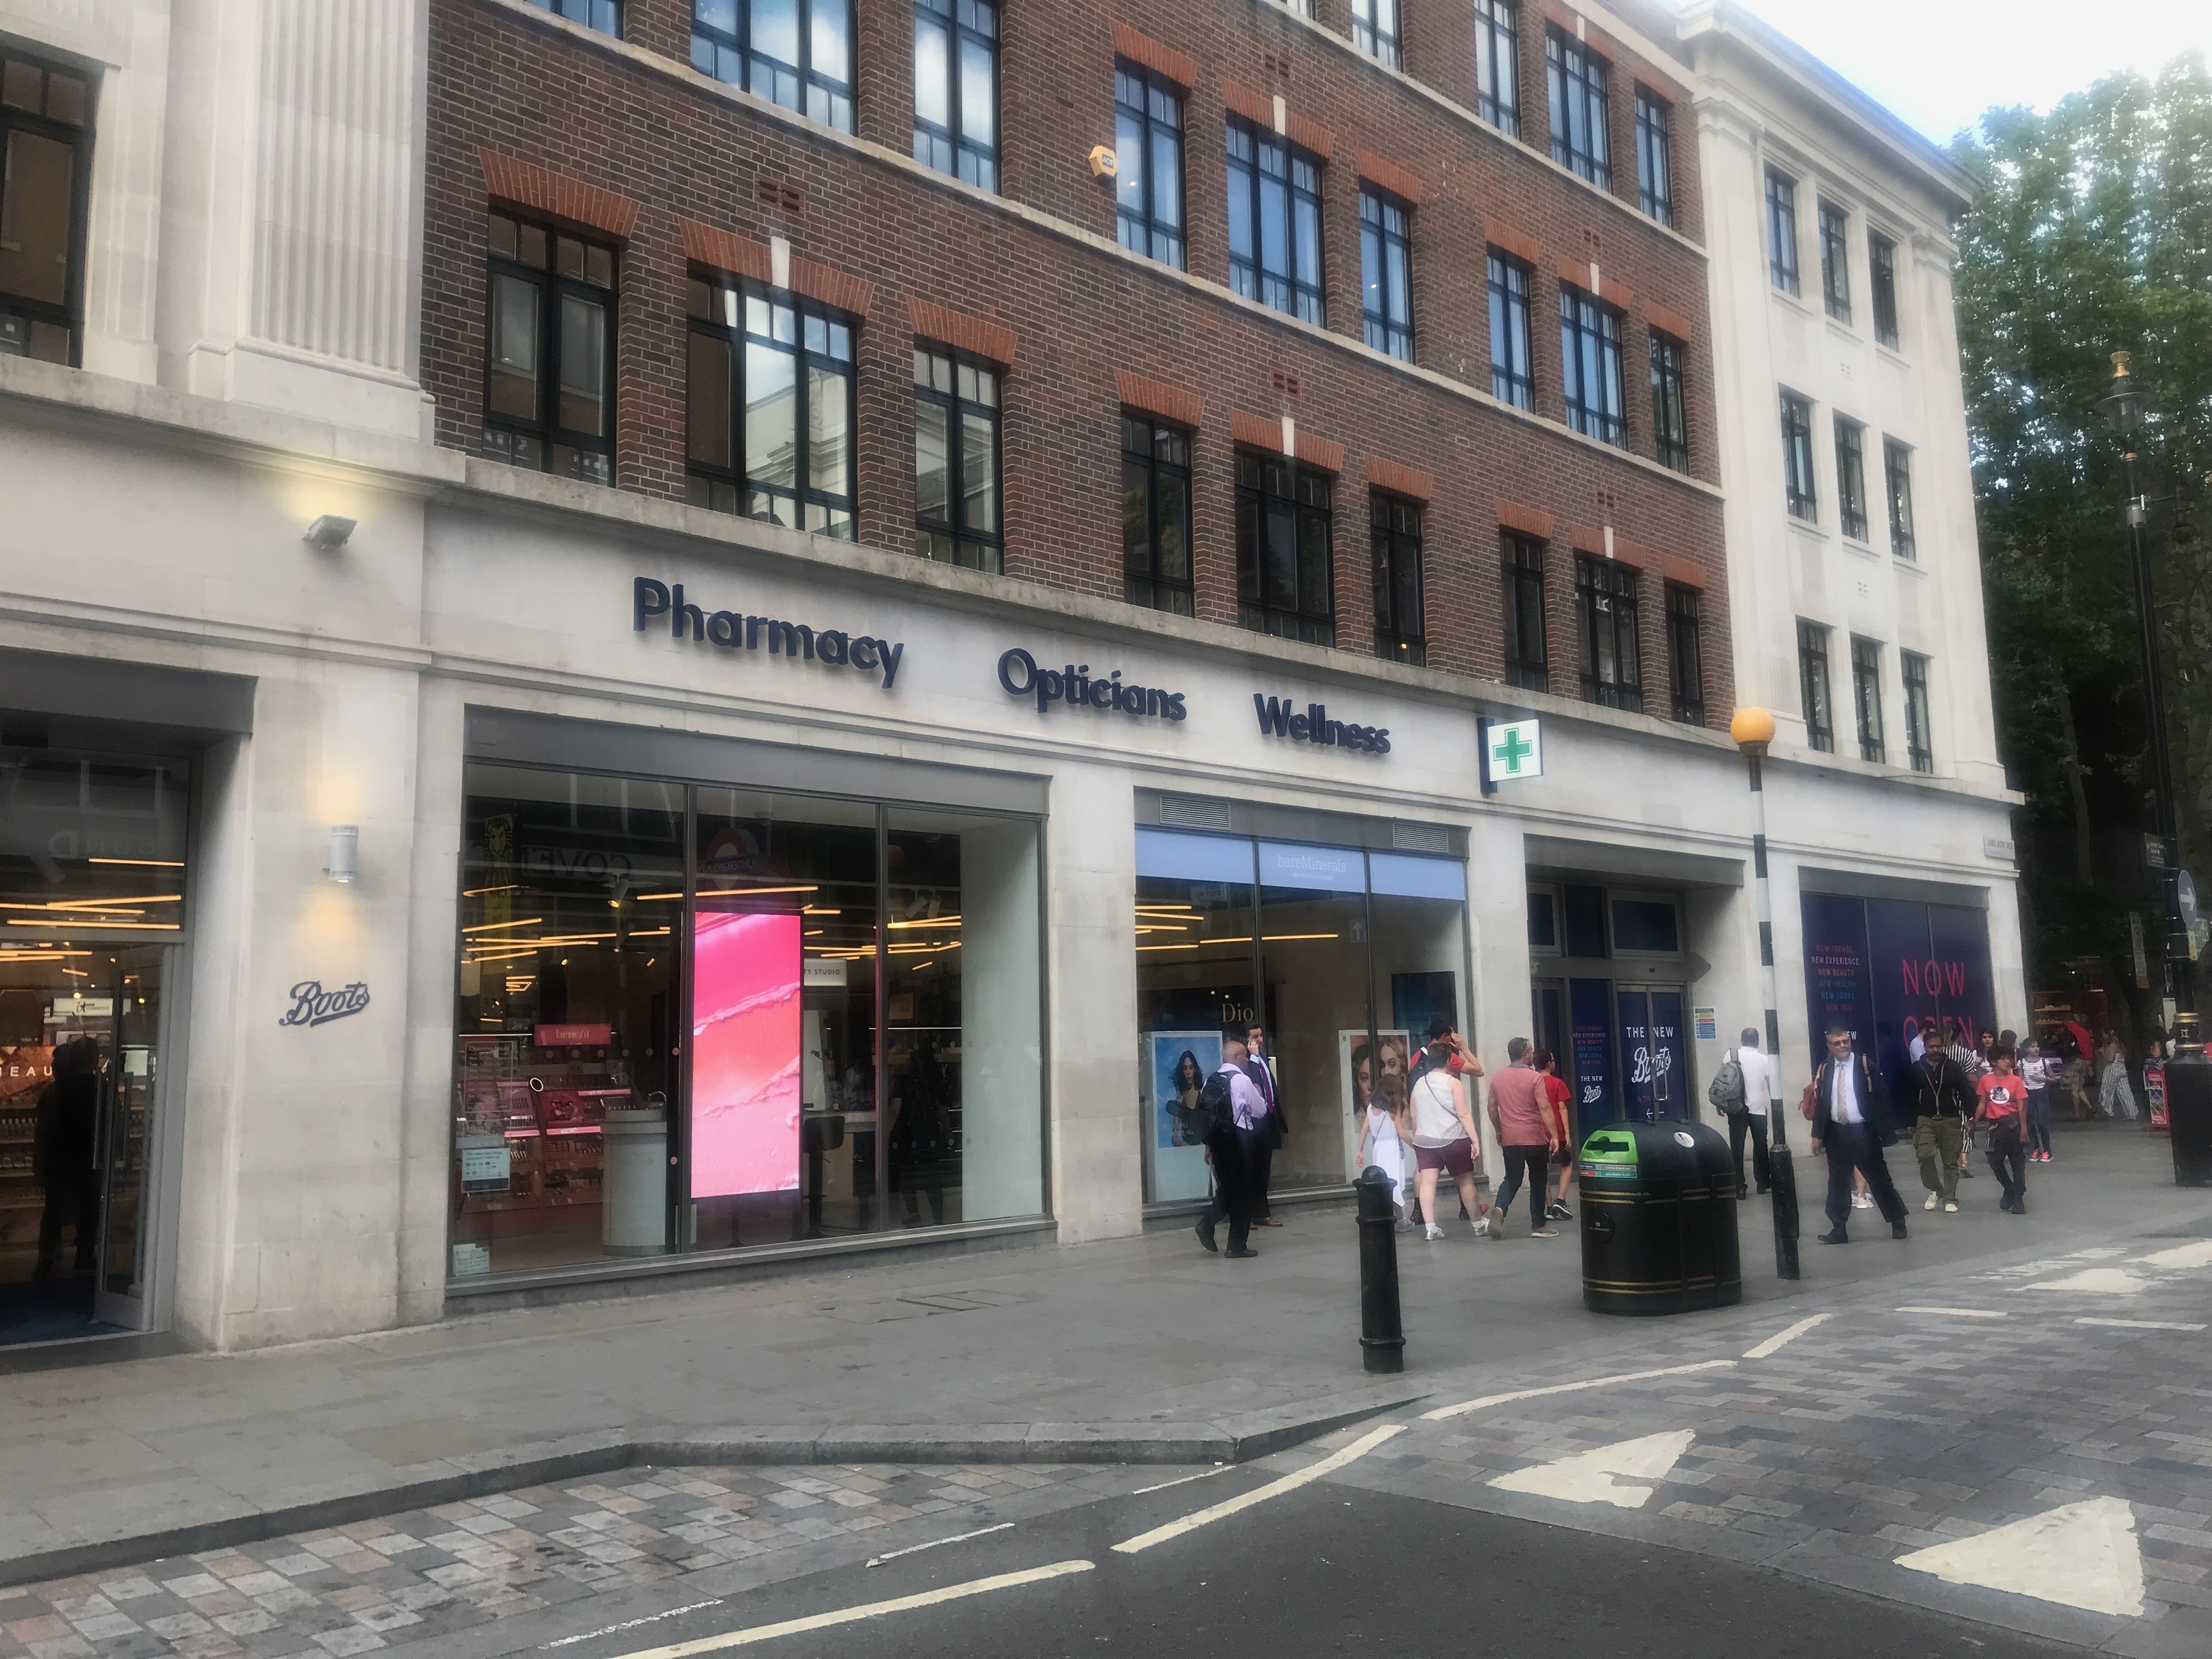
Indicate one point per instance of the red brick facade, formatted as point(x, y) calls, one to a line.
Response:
point(521, 103)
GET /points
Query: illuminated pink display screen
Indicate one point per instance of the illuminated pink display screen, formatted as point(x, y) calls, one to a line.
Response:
point(744, 1054)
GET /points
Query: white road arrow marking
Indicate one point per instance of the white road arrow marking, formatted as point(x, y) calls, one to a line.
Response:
point(2095, 1281)
point(1590, 1477)
point(2182, 1255)
point(2083, 1555)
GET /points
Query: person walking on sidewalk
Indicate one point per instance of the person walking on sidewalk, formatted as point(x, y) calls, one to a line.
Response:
point(1235, 1116)
point(1443, 1138)
point(1557, 1108)
point(1848, 1121)
point(2003, 1098)
point(2116, 1096)
point(1260, 1067)
point(1940, 1101)
point(1745, 1103)
point(2039, 1071)
point(1519, 1119)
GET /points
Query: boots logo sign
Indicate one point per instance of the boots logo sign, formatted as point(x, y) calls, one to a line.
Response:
point(313, 1005)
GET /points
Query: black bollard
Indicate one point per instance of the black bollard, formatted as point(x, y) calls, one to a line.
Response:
point(1381, 1332)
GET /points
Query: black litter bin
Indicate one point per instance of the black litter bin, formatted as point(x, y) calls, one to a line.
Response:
point(1658, 1215)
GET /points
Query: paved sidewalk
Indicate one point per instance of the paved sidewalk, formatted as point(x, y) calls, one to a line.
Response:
point(1143, 1348)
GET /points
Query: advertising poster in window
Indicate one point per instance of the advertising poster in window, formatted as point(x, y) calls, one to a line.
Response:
point(1636, 1093)
point(1370, 1071)
point(744, 1054)
point(1838, 989)
point(1670, 1076)
point(1175, 1066)
point(1896, 969)
point(1589, 1025)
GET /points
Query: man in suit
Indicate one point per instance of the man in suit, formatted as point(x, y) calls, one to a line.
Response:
point(1847, 1120)
point(1260, 1067)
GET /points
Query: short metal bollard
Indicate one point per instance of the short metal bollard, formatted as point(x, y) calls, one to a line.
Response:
point(1381, 1332)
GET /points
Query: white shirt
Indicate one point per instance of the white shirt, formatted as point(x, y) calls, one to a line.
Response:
point(1844, 1090)
point(1758, 1084)
point(1917, 1048)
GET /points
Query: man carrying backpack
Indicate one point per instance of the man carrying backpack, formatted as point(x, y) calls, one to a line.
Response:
point(1741, 1089)
point(1232, 1111)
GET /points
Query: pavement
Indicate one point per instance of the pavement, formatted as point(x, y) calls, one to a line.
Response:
point(1073, 1367)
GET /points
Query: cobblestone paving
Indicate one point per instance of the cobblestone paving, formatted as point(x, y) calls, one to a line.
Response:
point(416, 1576)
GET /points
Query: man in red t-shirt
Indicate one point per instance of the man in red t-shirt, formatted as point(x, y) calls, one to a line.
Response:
point(2004, 1094)
point(1520, 1113)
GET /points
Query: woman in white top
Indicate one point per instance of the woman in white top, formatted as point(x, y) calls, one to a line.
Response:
point(1444, 1137)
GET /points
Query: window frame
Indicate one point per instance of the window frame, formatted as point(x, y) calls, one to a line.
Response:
point(1579, 82)
point(1383, 46)
point(1306, 300)
point(1816, 686)
point(1392, 544)
point(1150, 127)
point(1782, 231)
point(716, 42)
point(1154, 466)
point(1832, 226)
point(1881, 283)
point(553, 286)
point(69, 314)
point(1522, 566)
point(1590, 340)
point(971, 161)
point(1378, 239)
point(1655, 156)
point(1897, 488)
point(990, 544)
point(1607, 601)
point(1801, 492)
point(1615, 895)
point(1919, 711)
point(738, 336)
point(1851, 477)
point(1686, 652)
point(593, 10)
point(1259, 504)
point(1497, 64)
point(1866, 699)
point(1509, 305)
point(1670, 401)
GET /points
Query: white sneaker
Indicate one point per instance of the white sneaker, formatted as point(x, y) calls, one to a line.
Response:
point(1482, 1228)
point(1434, 1231)
point(1862, 1202)
point(1930, 1204)
point(1950, 1209)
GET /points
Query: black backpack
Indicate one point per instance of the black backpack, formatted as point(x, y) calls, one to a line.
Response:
point(1216, 1114)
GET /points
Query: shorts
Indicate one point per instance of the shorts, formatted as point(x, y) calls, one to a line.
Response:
point(1456, 1159)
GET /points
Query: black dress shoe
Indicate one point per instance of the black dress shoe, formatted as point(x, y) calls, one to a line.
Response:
point(1205, 1236)
point(1241, 1254)
point(1836, 1237)
point(1743, 1194)
point(1897, 1229)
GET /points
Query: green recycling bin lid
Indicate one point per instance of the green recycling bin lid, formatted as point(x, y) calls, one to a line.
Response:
point(1608, 1153)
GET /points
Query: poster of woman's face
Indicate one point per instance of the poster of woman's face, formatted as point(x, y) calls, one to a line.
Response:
point(1181, 1063)
point(1373, 1069)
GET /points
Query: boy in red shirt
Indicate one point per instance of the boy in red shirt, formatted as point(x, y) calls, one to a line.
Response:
point(2004, 1096)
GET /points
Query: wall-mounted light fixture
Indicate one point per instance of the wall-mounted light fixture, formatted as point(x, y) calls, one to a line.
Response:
point(343, 862)
point(328, 532)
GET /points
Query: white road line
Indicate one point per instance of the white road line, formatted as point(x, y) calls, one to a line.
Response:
point(1959, 1313)
point(1782, 1339)
point(1465, 1406)
point(758, 1634)
point(1184, 1479)
point(1336, 1460)
point(630, 1623)
point(958, 1537)
point(2142, 1324)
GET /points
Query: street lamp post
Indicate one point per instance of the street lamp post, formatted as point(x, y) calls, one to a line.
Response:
point(1754, 730)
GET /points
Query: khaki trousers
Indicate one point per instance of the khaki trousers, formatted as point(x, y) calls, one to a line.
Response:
point(1936, 1141)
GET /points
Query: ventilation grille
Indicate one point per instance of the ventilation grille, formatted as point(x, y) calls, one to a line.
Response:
point(1420, 837)
point(1193, 812)
point(775, 193)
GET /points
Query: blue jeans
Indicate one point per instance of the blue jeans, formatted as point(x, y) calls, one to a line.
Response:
point(2038, 1120)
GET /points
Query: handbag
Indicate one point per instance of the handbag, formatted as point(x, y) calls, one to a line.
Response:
point(1809, 1102)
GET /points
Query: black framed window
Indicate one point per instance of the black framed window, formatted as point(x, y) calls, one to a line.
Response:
point(1581, 137)
point(1386, 272)
point(1612, 674)
point(1527, 651)
point(1274, 223)
point(46, 176)
point(1866, 698)
point(1589, 367)
point(1919, 744)
point(1497, 64)
point(1148, 182)
point(549, 352)
point(771, 407)
point(956, 88)
point(1670, 413)
point(798, 53)
point(1655, 156)
point(1285, 584)
point(1375, 29)
point(1782, 231)
point(1881, 277)
point(955, 461)
point(604, 16)
point(1851, 478)
point(1397, 522)
point(1799, 493)
point(1836, 262)
point(1812, 686)
point(1686, 653)
point(1512, 368)
point(1897, 480)
point(1155, 569)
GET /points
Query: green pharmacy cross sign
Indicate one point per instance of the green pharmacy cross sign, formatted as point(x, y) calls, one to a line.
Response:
point(1511, 750)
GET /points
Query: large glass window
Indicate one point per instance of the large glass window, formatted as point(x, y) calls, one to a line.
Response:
point(1512, 367)
point(1897, 478)
point(955, 461)
point(1528, 657)
point(798, 53)
point(1881, 275)
point(45, 163)
point(1655, 156)
point(1386, 273)
point(831, 1026)
point(1156, 568)
point(1274, 223)
point(1497, 64)
point(1375, 29)
point(1835, 262)
point(1612, 672)
point(1148, 178)
point(1782, 231)
point(1851, 478)
point(1396, 526)
point(1812, 686)
point(770, 407)
point(1799, 493)
point(549, 352)
point(1919, 739)
point(1589, 367)
point(956, 88)
point(604, 16)
point(1670, 419)
point(1866, 698)
point(1285, 584)
point(1686, 653)
point(1581, 140)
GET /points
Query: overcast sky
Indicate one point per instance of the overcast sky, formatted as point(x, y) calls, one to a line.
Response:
point(1939, 63)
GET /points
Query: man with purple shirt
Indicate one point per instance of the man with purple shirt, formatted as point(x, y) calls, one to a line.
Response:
point(1260, 1067)
point(1232, 1148)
